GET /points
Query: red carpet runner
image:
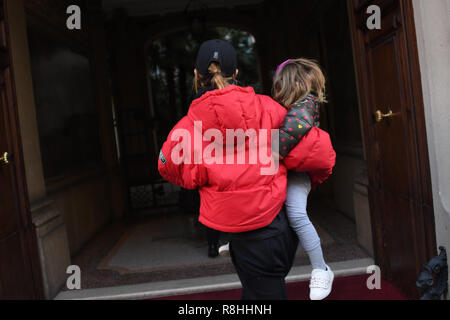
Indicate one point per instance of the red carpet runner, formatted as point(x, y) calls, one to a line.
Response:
point(345, 288)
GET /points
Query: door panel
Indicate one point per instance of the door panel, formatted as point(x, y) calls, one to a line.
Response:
point(383, 61)
point(401, 248)
point(19, 269)
point(8, 222)
point(16, 280)
point(386, 64)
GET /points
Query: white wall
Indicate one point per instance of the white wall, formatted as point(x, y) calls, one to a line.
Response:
point(432, 19)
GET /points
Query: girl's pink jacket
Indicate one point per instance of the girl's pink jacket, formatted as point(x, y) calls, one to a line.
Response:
point(237, 197)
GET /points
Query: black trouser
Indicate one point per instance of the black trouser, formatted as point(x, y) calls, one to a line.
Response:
point(190, 203)
point(263, 263)
point(212, 236)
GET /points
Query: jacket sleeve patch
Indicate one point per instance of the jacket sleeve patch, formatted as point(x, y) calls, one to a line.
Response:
point(162, 158)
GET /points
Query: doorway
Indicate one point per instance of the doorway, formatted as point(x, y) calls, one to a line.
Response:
point(160, 241)
point(361, 210)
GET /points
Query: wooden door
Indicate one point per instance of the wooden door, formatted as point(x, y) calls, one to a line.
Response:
point(397, 157)
point(19, 268)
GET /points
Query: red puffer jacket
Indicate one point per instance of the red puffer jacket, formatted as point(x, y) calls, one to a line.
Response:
point(237, 197)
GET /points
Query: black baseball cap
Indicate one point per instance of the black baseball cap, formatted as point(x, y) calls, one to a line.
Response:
point(217, 51)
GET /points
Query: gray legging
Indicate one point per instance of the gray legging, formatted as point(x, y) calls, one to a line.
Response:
point(299, 186)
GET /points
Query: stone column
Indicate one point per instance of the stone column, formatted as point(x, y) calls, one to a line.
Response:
point(362, 211)
point(50, 229)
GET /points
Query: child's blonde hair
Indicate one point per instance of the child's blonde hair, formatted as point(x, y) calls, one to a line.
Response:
point(214, 78)
point(297, 78)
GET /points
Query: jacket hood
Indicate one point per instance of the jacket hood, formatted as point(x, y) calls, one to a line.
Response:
point(233, 107)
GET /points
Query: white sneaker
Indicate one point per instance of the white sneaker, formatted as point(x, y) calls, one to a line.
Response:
point(321, 283)
point(225, 249)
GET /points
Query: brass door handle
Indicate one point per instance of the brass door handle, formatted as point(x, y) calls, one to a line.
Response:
point(5, 158)
point(379, 116)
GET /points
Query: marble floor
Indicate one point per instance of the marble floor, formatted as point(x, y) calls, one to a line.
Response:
point(171, 246)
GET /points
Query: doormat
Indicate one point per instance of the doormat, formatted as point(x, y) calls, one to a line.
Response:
point(139, 251)
point(344, 288)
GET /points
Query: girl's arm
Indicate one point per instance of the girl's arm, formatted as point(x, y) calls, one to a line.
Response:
point(314, 154)
point(297, 123)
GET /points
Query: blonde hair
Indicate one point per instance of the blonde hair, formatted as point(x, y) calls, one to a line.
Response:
point(214, 78)
point(296, 79)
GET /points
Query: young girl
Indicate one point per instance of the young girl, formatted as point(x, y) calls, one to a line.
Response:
point(299, 86)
